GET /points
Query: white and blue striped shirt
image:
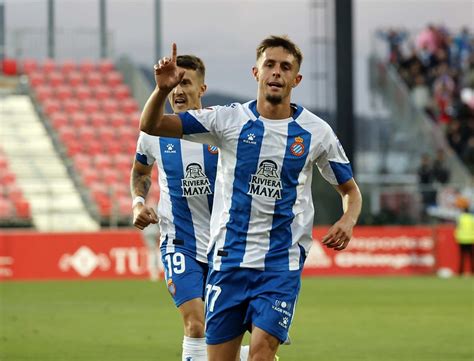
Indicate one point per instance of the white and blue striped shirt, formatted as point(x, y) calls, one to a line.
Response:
point(186, 176)
point(263, 209)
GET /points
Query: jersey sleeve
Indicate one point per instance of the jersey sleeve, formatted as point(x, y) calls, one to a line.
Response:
point(332, 161)
point(143, 154)
point(201, 125)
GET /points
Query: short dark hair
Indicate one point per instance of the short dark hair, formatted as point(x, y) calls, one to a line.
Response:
point(191, 62)
point(274, 41)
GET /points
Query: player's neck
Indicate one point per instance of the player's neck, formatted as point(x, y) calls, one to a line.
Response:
point(274, 111)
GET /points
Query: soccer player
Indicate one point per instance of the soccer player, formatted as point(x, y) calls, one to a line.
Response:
point(262, 218)
point(186, 178)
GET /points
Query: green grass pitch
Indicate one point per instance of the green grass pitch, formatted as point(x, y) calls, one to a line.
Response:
point(369, 319)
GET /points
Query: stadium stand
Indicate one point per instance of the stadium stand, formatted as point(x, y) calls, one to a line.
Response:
point(94, 119)
point(438, 68)
point(50, 199)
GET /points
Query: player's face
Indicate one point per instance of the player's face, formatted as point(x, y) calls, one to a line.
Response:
point(187, 94)
point(276, 73)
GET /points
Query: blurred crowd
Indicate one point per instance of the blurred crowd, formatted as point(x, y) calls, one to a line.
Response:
point(438, 67)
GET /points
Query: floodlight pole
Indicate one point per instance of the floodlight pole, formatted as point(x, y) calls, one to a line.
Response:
point(344, 73)
point(103, 28)
point(51, 25)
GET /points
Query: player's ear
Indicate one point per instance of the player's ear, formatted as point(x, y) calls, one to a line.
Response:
point(202, 89)
point(297, 80)
point(255, 72)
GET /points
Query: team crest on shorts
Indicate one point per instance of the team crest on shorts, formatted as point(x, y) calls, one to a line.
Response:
point(171, 287)
point(297, 148)
point(212, 149)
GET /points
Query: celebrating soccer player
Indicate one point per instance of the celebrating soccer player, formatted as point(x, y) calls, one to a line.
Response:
point(262, 218)
point(186, 179)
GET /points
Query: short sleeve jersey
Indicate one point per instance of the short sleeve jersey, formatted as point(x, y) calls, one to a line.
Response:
point(186, 176)
point(263, 210)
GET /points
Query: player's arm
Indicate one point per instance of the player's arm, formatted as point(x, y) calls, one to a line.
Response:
point(340, 233)
point(153, 120)
point(140, 182)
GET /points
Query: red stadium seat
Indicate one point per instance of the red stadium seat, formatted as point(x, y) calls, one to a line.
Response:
point(98, 119)
point(106, 65)
point(94, 78)
point(14, 192)
point(91, 106)
point(51, 106)
point(82, 92)
point(102, 160)
point(106, 134)
point(128, 106)
point(87, 133)
point(6, 208)
point(3, 163)
point(36, 79)
point(7, 178)
point(118, 119)
point(114, 147)
point(43, 92)
point(55, 78)
point(22, 208)
point(49, 65)
point(122, 161)
point(74, 147)
point(9, 67)
point(81, 162)
point(93, 147)
point(113, 78)
point(121, 91)
point(63, 92)
point(68, 66)
point(110, 106)
point(67, 134)
point(87, 66)
point(79, 120)
point(102, 92)
point(109, 175)
point(90, 175)
point(71, 106)
point(29, 66)
point(74, 78)
point(129, 147)
point(59, 120)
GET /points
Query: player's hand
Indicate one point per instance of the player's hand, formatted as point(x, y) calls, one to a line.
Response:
point(167, 73)
point(143, 216)
point(339, 235)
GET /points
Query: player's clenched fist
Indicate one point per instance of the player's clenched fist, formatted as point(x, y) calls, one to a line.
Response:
point(167, 73)
point(143, 216)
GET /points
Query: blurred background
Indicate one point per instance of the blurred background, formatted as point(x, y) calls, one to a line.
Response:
point(395, 80)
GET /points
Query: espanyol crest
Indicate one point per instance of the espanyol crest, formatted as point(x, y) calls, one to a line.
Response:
point(297, 148)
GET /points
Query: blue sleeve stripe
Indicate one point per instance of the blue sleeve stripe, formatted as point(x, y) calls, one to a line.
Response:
point(342, 171)
point(141, 158)
point(190, 124)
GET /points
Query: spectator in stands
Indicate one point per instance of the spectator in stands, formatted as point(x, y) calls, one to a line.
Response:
point(394, 38)
point(420, 94)
point(425, 181)
point(440, 171)
point(468, 154)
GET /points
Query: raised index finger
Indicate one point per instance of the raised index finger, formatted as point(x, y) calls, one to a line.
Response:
point(174, 51)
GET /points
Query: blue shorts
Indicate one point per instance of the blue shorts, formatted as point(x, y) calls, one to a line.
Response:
point(185, 277)
point(238, 299)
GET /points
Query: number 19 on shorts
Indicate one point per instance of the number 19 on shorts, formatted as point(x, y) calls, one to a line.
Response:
point(175, 263)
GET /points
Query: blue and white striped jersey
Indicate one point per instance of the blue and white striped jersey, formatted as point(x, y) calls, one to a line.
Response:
point(186, 176)
point(263, 209)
